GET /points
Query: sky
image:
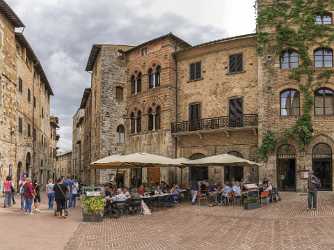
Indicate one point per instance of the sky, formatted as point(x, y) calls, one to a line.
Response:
point(62, 33)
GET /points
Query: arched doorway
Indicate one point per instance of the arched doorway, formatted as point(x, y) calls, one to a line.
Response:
point(322, 165)
point(198, 173)
point(233, 173)
point(18, 173)
point(28, 165)
point(286, 168)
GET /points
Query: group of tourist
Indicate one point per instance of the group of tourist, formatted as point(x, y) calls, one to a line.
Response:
point(64, 192)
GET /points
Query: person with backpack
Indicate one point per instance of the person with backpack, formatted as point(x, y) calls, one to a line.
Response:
point(313, 187)
point(28, 196)
point(8, 191)
point(60, 191)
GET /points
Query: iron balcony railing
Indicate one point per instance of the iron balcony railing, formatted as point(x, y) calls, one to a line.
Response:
point(244, 121)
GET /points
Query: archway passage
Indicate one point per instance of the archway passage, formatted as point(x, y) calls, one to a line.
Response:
point(286, 168)
point(322, 165)
point(198, 173)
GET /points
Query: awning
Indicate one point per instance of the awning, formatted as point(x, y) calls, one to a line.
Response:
point(221, 160)
point(137, 160)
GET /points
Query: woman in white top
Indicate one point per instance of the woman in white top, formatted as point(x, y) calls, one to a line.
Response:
point(50, 193)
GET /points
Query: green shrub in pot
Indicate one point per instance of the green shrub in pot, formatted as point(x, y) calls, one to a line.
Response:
point(93, 205)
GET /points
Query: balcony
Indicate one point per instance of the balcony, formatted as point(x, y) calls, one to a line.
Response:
point(249, 121)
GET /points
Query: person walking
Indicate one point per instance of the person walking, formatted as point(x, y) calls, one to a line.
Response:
point(28, 196)
point(313, 187)
point(74, 193)
point(8, 189)
point(60, 191)
point(21, 189)
point(37, 196)
point(50, 193)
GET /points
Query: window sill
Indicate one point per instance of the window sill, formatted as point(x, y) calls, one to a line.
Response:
point(196, 80)
point(289, 117)
point(322, 68)
point(323, 116)
point(236, 73)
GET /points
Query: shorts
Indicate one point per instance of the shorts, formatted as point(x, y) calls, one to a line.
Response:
point(37, 199)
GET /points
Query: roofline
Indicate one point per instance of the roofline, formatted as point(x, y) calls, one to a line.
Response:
point(85, 96)
point(228, 39)
point(23, 41)
point(6, 10)
point(170, 35)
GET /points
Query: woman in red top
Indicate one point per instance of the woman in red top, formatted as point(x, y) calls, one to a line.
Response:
point(7, 189)
point(141, 190)
point(28, 196)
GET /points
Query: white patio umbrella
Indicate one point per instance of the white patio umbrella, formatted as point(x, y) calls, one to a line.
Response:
point(136, 160)
point(222, 159)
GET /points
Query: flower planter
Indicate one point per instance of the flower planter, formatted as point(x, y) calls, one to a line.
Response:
point(92, 217)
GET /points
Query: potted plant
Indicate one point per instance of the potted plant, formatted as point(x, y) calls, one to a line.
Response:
point(93, 208)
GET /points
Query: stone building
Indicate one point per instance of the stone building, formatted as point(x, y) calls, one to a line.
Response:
point(25, 130)
point(64, 165)
point(218, 97)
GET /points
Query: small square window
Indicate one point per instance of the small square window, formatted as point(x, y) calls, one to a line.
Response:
point(236, 63)
point(144, 51)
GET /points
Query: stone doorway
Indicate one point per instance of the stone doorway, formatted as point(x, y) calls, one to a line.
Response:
point(286, 168)
point(322, 165)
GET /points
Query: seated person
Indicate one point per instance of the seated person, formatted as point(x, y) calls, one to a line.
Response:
point(226, 190)
point(236, 189)
point(267, 187)
point(204, 187)
point(126, 192)
point(119, 197)
point(175, 193)
point(108, 195)
point(141, 190)
point(158, 190)
point(212, 187)
point(212, 191)
point(164, 187)
point(194, 191)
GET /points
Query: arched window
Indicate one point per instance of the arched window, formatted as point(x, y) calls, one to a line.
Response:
point(150, 78)
point(133, 85)
point(120, 134)
point(323, 58)
point(290, 102)
point(157, 118)
point(133, 123)
point(150, 120)
point(289, 59)
point(324, 102)
point(138, 124)
point(136, 84)
point(157, 76)
point(324, 19)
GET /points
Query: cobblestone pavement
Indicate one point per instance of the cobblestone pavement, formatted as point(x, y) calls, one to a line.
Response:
point(284, 225)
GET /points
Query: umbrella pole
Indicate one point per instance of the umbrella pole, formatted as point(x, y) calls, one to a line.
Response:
point(181, 176)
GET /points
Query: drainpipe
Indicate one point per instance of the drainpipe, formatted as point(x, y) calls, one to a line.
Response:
point(176, 110)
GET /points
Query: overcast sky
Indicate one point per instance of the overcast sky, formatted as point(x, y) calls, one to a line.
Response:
point(63, 31)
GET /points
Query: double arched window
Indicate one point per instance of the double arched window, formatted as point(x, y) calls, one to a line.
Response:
point(154, 119)
point(154, 77)
point(120, 139)
point(289, 59)
point(323, 58)
point(324, 19)
point(135, 122)
point(136, 83)
point(290, 102)
point(324, 101)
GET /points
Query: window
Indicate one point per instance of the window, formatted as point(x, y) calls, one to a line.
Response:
point(133, 123)
point(324, 19)
point(138, 122)
point(194, 116)
point(195, 71)
point(120, 134)
point(34, 134)
point(323, 58)
point(150, 120)
point(289, 59)
point(29, 95)
point(154, 77)
point(290, 103)
point(119, 94)
point(236, 113)
point(157, 76)
point(29, 130)
point(150, 78)
point(42, 113)
point(235, 63)
point(20, 85)
point(20, 125)
point(324, 102)
point(136, 84)
point(34, 102)
point(157, 118)
point(144, 51)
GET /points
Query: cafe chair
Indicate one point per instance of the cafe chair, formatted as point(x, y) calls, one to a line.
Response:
point(201, 197)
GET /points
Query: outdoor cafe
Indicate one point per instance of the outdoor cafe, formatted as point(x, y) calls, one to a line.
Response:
point(142, 196)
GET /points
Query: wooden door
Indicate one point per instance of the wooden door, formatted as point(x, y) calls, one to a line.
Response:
point(153, 175)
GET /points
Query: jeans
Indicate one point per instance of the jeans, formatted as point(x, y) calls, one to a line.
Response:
point(8, 199)
point(22, 202)
point(28, 205)
point(51, 198)
point(312, 199)
point(193, 196)
point(61, 206)
point(73, 200)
